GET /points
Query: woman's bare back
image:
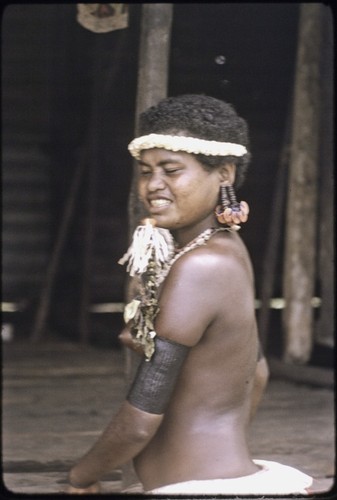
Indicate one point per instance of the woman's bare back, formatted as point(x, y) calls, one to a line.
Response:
point(203, 433)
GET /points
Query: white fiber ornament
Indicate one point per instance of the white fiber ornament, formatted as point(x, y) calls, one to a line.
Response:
point(148, 242)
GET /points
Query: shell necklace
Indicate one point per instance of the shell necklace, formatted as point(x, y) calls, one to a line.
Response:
point(198, 241)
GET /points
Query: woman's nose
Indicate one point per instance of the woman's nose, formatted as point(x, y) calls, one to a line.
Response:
point(155, 182)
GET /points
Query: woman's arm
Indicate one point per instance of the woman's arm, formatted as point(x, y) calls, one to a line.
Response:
point(127, 434)
point(138, 419)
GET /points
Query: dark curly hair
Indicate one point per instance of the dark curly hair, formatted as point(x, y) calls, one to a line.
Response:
point(203, 117)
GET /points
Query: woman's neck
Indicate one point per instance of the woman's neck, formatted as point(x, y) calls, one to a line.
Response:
point(185, 235)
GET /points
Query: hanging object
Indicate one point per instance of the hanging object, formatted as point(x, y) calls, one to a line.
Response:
point(148, 242)
point(103, 17)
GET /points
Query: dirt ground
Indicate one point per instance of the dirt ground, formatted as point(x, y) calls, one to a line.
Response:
point(57, 396)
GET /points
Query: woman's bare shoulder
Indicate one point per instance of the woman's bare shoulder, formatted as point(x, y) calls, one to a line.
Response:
point(220, 253)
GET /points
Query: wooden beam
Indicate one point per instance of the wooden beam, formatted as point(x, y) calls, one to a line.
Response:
point(301, 216)
point(44, 304)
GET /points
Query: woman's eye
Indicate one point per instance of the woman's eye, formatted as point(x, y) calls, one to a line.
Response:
point(145, 172)
point(172, 170)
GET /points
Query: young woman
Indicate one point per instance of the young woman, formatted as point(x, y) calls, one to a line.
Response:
point(186, 417)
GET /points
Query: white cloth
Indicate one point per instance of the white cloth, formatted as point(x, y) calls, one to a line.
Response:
point(273, 479)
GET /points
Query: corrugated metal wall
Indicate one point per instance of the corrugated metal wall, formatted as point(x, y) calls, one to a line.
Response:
point(25, 168)
point(25, 221)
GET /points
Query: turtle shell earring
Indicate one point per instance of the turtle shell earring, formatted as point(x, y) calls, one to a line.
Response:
point(230, 211)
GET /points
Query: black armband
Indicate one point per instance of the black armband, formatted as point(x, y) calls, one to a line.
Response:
point(155, 379)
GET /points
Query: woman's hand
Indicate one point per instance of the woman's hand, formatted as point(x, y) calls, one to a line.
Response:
point(127, 340)
point(92, 489)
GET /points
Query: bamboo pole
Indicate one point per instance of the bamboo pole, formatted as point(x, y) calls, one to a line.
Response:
point(152, 86)
point(301, 216)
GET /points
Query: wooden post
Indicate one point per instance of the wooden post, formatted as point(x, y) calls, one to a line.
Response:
point(152, 77)
point(301, 230)
point(273, 242)
point(324, 333)
point(152, 87)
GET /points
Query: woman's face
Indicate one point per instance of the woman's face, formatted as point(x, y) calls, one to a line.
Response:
point(177, 191)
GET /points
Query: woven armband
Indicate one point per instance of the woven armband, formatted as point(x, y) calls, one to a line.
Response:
point(155, 379)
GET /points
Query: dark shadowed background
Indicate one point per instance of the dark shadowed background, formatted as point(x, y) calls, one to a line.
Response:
point(53, 69)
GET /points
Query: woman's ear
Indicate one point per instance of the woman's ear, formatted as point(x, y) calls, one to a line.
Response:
point(227, 173)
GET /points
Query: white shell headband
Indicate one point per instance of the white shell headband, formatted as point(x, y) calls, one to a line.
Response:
point(187, 144)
